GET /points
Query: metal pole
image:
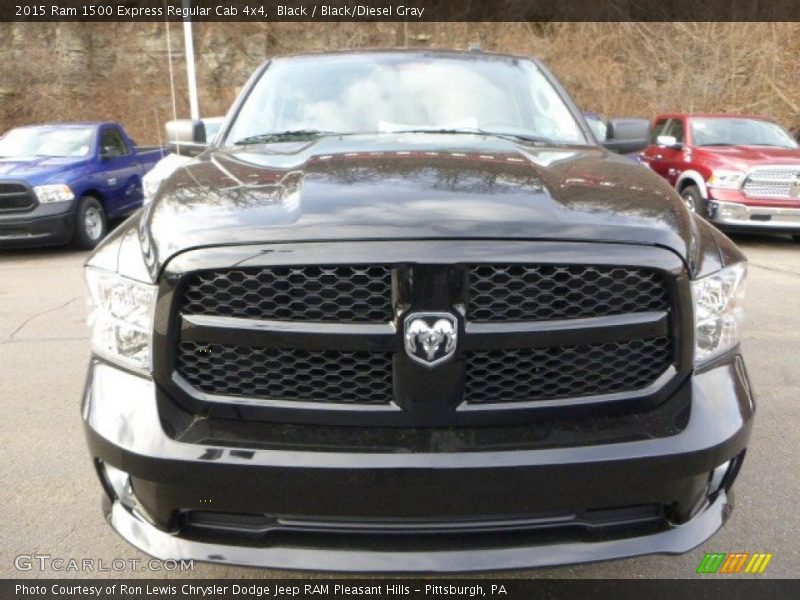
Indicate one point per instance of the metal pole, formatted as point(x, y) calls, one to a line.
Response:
point(171, 75)
point(188, 42)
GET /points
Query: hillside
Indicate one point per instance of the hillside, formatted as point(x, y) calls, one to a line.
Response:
point(120, 71)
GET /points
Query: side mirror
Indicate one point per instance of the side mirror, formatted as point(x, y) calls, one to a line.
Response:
point(627, 135)
point(186, 137)
point(669, 141)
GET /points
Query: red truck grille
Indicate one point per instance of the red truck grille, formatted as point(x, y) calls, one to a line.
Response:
point(773, 182)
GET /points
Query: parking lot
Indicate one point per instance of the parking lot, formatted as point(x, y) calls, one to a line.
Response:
point(51, 498)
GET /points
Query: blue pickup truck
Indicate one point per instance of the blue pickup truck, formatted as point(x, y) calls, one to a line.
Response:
point(62, 183)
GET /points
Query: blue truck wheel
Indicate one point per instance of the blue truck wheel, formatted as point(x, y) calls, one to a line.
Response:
point(90, 223)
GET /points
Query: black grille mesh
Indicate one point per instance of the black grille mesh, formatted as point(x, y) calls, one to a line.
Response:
point(565, 371)
point(549, 292)
point(353, 294)
point(15, 196)
point(348, 294)
point(302, 375)
point(12, 188)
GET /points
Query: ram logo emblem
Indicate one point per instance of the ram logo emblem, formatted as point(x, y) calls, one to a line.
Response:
point(430, 338)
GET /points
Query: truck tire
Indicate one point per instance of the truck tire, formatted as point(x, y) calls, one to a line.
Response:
point(796, 237)
point(694, 200)
point(90, 223)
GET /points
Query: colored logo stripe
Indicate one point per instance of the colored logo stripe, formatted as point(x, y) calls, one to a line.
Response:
point(711, 562)
point(734, 562)
point(758, 563)
point(722, 562)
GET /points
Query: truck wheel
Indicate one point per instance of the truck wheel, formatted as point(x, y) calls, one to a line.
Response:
point(796, 237)
point(90, 223)
point(693, 200)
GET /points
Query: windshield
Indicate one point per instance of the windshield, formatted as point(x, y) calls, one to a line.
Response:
point(739, 132)
point(47, 141)
point(597, 125)
point(383, 93)
point(212, 126)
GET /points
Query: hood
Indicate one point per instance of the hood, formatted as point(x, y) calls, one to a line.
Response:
point(38, 167)
point(420, 186)
point(744, 158)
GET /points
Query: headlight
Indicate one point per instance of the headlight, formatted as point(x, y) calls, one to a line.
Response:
point(58, 192)
point(121, 318)
point(718, 311)
point(726, 179)
point(150, 186)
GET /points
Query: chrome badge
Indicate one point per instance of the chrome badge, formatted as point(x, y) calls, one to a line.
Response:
point(794, 189)
point(430, 338)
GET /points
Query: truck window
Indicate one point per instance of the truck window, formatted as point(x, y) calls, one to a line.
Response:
point(47, 141)
point(731, 131)
point(112, 144)
point(658, 130)
point(675, 129)
point(384, 93)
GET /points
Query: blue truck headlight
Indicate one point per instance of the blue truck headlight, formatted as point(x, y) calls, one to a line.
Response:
point(718, 311)
point(59, 192)
point(121, 318)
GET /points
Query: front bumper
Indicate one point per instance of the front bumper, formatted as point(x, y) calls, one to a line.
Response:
point(677, 540)
point(417, 512)
point(742, 217)
point(46, 225)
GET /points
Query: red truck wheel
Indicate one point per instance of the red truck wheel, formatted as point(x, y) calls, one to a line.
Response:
point(694, 200)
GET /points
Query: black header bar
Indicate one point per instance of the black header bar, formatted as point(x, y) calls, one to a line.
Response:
point(715, 587)
point(397, 10)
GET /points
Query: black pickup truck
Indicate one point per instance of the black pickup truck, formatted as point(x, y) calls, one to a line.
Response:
point(407, 314)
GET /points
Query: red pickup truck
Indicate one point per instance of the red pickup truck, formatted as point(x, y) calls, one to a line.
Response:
point(740, 172)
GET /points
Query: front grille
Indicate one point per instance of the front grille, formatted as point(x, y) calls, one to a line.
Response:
point(755, 188)
point(349, 294)
point(334, 334)
point(775, 174)
point(16, 197)
point(299, 375)
point(548, 292)
point(565, 371)
point(771, 182)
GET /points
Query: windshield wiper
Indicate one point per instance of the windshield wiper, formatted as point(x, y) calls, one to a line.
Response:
point(299, 134)
point(281, 136)
point(718, 144)
point(476, 131)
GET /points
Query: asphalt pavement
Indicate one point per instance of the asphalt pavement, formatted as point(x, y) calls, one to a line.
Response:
point(50, 496)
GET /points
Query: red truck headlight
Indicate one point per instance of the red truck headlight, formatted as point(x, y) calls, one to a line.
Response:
point(729, 180)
